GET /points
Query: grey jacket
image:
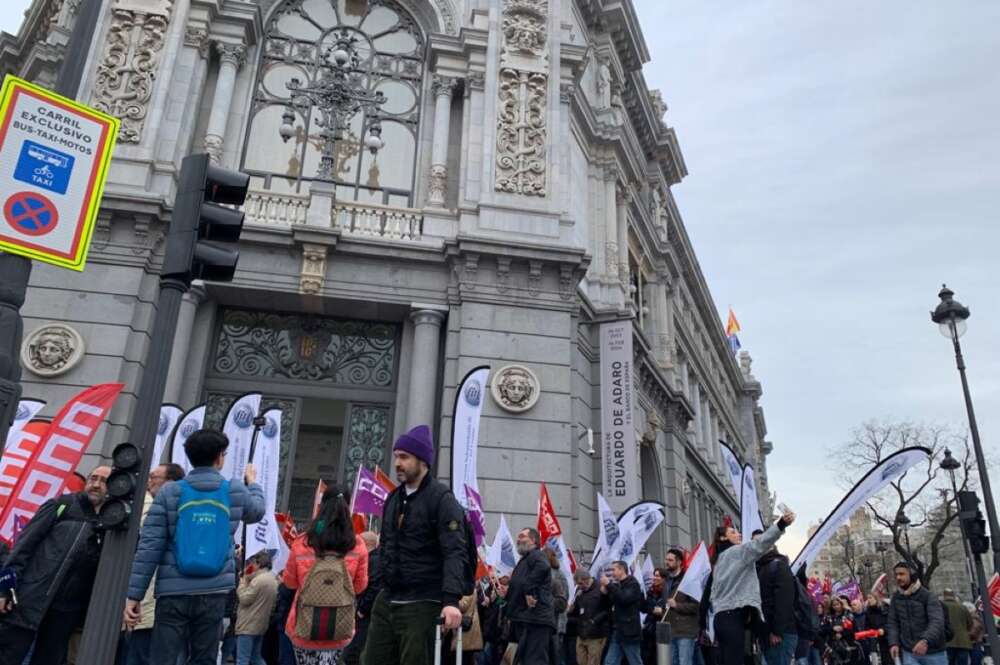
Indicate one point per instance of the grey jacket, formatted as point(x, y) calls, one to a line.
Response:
point(734, 577)
point(916, 614)
point(155, 553)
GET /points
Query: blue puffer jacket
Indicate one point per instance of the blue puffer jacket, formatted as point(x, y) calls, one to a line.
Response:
point(156, 541)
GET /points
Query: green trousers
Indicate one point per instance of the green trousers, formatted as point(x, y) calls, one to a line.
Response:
point(401, 634)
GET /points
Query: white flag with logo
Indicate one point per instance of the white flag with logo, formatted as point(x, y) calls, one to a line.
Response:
point(646, 574)
point(558, 547)
point(239, 430)
point(264, 534)
point(749, 508)
point(642, 520)
point(169, 415)
point(696, 575)
point(733, 468)
point(503, 554)
point(465, 433)
point(608, 537)
point(192, 421)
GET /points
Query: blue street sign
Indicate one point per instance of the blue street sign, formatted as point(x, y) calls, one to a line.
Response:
point(44, 167)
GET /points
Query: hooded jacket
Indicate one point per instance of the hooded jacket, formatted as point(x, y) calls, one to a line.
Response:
point(155, 553)
point(916, 614)
point(55, 560)
point(777, 594)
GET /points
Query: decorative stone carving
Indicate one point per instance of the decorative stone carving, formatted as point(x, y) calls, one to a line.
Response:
point(524, 26)
point(196, 36)
point(521, 133)
point(234, 54)
point(52, 350)
point(470, 271)
point(534, 277)
point(566, 92)
point(313, 268)
point(659, 106)
point(611, 254)
point(437, 184)
point(443, 85)
point(515, 388)
point(522, 99)
point(475, 81)
point(602, 84)
point(685, 494)
point(503, 273)
point(127, 67)
point(213, 146)
point(447, 16)
point(567, 286)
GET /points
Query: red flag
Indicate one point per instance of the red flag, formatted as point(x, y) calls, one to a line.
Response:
point(57, 454)
point(360, 523)
point(482, 570)
point(17, 454)
point(383, 479)
point(288, 531)
point(994, 588)
point(727, 521)
point(548, 522)
point(318, 497)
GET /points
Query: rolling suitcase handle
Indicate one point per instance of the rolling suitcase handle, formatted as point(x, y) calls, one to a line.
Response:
point(465, 625)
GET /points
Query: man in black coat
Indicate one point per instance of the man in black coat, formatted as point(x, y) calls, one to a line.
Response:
point(625, 594)
point(422, 562)
point(916, 622)
point(55, 560)
point(590, 611)
point(777, 633)
point(529, 602)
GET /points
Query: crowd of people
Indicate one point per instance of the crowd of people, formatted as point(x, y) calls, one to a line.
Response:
point(400, 596)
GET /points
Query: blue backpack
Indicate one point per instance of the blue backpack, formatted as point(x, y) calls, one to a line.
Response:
point(202, 540)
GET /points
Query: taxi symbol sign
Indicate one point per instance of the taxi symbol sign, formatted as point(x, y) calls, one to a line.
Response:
point(30, 213)
point(44, 167)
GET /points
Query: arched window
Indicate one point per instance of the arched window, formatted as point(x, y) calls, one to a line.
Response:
point(301, 36)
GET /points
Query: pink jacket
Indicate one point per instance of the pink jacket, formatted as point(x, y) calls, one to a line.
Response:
point(300, 562)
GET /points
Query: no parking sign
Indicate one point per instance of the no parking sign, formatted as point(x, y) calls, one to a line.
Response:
point(54, 157)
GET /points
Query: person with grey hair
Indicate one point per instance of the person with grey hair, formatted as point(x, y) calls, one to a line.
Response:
point(530, 603)
point(256, 595)
point(590, 611)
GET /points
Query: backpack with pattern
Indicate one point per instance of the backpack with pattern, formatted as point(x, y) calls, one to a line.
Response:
point(325, 606)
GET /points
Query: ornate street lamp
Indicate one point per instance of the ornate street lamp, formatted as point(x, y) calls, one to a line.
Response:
point(951, 317)
point(903, 522)
point(338, 96)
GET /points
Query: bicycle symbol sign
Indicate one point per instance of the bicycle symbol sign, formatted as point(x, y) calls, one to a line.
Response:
point(30, 213)
point(44, 167)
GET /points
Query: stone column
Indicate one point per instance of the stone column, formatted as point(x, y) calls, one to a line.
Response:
point(610, 225)
point(424, 367)
point(231, 57)
point(622, 198)
point(182, 343)
point(442, 88)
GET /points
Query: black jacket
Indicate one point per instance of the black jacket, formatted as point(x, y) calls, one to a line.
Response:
point(532, 576)
point(591, 612)
point(55, 560)
point(367, 598)
point(914, 617)
point(423, 544)
point(777, 594)
point(626, 601)
point(683, 617)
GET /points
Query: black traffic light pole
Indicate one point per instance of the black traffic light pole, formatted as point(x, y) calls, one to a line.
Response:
point(974, 532)
point(16, 270)
point(194, 218)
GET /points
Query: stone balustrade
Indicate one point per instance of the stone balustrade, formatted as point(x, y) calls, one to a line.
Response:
point(377, 221)
point(273, 209)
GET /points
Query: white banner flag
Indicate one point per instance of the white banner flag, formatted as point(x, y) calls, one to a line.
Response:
point(239, 430)
point(621, 475)
point(749, 506)
point(608, 537)
point(18, 446)
point(641, 520)
point(646, 574)
point(192, 421)
point(503, 554)
point(465, 432)
point(733, 468)
point(558, 546)
point(169, 415)
point(696, 575)
point(890, 469)
point(264, 534)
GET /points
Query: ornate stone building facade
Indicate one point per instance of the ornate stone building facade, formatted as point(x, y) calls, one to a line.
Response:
point(523, 196)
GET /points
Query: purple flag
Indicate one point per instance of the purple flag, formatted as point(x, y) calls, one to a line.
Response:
point(369, 496)
point(849, 589)
point(476, 517)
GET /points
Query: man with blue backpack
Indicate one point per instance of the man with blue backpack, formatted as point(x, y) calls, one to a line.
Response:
point(187, 539)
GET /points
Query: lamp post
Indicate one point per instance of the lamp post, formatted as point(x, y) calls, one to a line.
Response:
point(951, 316)
point(881, 547)
point(950, 464)
point(338, 96)
point(868, 573)
point(903, 522)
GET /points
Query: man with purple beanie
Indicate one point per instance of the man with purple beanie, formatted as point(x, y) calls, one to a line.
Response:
point(423, 559)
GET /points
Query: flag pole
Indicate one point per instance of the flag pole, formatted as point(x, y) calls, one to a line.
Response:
point(258, 424)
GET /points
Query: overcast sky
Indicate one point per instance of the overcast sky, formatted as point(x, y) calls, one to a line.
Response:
point(843, 164)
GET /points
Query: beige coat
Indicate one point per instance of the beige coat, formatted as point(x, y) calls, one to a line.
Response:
point(148, 601)
point(472, 639)
point(257, 595)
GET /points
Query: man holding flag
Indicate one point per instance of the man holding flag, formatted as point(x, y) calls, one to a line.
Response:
point(682, 610)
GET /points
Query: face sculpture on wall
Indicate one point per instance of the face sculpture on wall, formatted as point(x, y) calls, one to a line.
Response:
point(515, 388)
point(52, 350)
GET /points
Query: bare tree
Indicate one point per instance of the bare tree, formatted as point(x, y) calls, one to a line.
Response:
point(923, 495)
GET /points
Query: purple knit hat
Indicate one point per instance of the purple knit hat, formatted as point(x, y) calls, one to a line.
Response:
point(419, 443)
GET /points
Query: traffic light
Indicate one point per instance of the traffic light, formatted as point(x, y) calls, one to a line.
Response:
point(203, 233)
point(122, 484)
point(973, 522)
